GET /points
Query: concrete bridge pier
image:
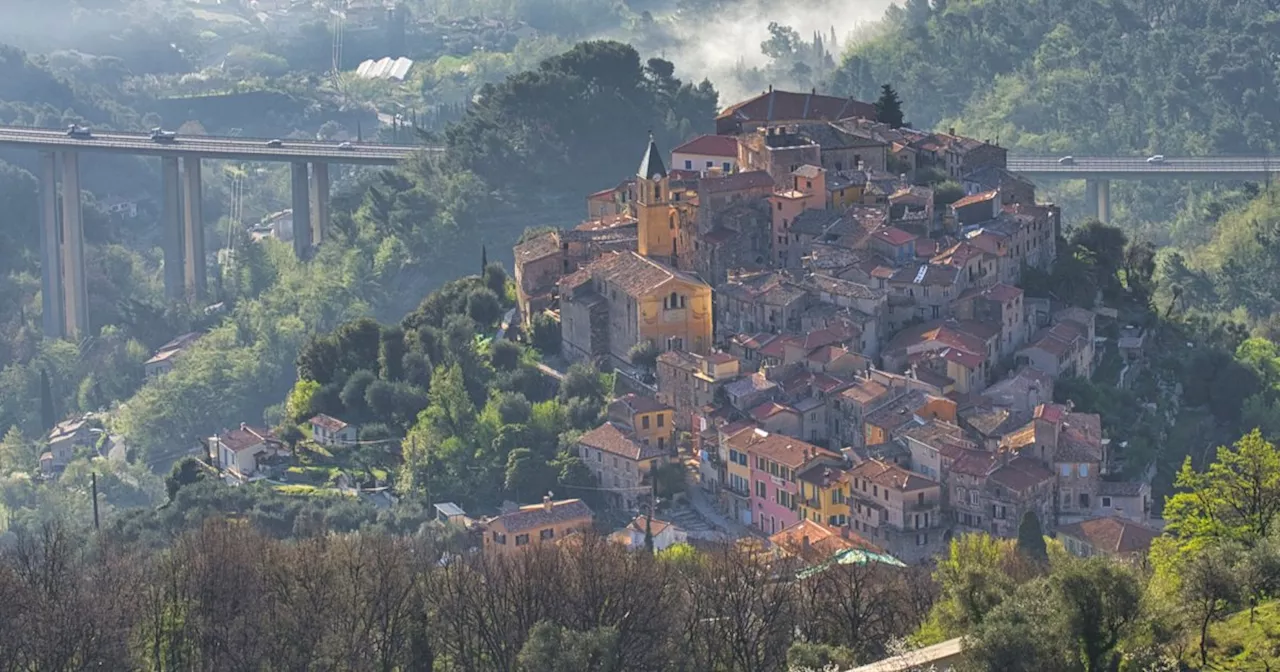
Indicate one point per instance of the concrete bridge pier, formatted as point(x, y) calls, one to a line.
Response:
point(1097, 196)
point(193, 259)
point(75, 296)
point(319, 195)
point(301, 210)
point(172, 225)
point(50, 249)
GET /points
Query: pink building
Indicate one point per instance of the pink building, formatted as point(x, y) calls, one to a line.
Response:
point(774, 461)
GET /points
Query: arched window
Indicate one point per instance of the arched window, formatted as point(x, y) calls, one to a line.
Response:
point(682, 301)
point(671, 222)
point(674, 300)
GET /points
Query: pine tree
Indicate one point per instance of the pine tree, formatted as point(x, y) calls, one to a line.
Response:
point(889, 107)
point(48, 416)
point(484, 259)
point(1031, 538)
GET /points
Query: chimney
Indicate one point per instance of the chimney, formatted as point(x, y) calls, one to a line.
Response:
point(804, 543)
point(951, 131)
point(813, 91)
point(546, 502)
point(243, 427)
point(770, 89)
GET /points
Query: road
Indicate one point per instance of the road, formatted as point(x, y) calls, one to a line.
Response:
point(1173, 167)
point(209, 147)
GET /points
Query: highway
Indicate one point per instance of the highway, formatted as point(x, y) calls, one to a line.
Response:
point(208, 147)
point(1131, 168)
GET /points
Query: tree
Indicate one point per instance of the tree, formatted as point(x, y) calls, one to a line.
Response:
point(298, 405)
point(185, 472)
point(889, 107)
point(552, 648)
point(581, 381)
point(1237, 498)
point(353, 394)
point(1031, 538)
point(504, 355)
point(528, 476)
point(48, 415)
point(391, 352)
point(1102, 600)
point(495, 278)
point(544, 334)
point(483, 307)
point(671, 479)
point(644, 355)
point(1025, 633)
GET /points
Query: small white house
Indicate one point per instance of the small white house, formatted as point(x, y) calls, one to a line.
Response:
point(240, 451)
point(329, 431)
point(665, 534)
point(707, 153)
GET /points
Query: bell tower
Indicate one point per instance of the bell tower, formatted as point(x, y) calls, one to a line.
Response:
point(656, 225)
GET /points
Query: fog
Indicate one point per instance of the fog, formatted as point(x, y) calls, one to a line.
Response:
point(713, 47)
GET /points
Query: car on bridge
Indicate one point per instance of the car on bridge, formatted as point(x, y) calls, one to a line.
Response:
point(1158, 158)
point(77, 131)
point(160, 135)
point(275, 143)
point(1067, 161)
point(345, 145)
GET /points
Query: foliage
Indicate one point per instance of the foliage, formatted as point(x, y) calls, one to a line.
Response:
point(889, 107)
point(1237, 498)
point(1031, 538)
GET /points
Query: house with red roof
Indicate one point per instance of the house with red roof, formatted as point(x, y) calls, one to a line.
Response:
point(775, 462)
point(775, 107)
point(897, 509)
point(707, 154)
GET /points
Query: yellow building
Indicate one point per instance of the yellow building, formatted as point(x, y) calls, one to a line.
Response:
point(661, 213)
point(623, 298)
point(534, 524)
point(651, 422)
point(824, 495)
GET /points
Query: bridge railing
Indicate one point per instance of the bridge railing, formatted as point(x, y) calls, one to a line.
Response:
point(237, 138)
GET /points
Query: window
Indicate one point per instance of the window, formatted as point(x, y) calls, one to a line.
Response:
point(660, 419)
point(549, 533)
point(779, 205)
point(522, 539)
point(1066, 470)
point(661, 440)
point(499, 538)
point(1084, 500)
point(1106, 502)
point(688, 165)
point(644, 422)
point(760, 489)
point(922, 539)
point(920, 499)
point(727, 167)
point(760, 463)
point(1084, 471)
point(875, 491)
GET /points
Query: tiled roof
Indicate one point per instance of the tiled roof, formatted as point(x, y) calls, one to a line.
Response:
point(976, 463)
point(634, 274)
point(1054, 413)
point(818, 542)
point(751, 179)
point(945, 333)
point(1021, 474)
point(710, 145)
point(636, 403)
point(244, 437)
point(898, 412)
point(654, 525)
point(892, 476)
point(982, 329)
point(865, 391)
point(807, 171)
point(1112, 535)
point(814, 222)
point(778, 105)
point(894, 236)
point(994, 422)
point(823, 475)
point(611, 439)
point(975, 198)
point(328, 423)
point(933, 275)
point(1121, 488)
point(538, 247)
point(935, 432)
point(536, 516)
point(749, 384)
point(992, 177)
point(999, 292)
point(1018, 386)
point(769, 409)
point(784, 450)
point(180, 342)
point(838, 287)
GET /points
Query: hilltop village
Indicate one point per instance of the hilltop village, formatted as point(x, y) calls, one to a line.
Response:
point(840, 351)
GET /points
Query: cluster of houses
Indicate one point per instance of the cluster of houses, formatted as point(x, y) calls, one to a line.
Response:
point(838, 346)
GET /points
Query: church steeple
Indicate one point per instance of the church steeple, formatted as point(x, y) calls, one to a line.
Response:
point(651, 166)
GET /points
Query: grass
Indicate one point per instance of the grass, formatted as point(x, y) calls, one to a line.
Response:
point(1238, 644)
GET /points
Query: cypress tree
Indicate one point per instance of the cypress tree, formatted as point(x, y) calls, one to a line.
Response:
point(1031, 538)
point(889, 107)
point(48, 416)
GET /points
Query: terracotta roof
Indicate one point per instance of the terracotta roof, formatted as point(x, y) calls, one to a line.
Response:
point(865, 391)
point(655, 526)
point(328, 423)
point(778, 105)
point(935, 433)
point(827, 354)
point(634, 274)
point(976, 463)
point(1054, 413)
point(636, 403)
point(611, 439)
point(982, 329)
point(994, 422)
point(537, 515)
point(769, 409)
point(894, 236)
point(1112, 535)
point(784, 450)
point(1021, 474)
point(975, 198)
point(710, 145)
point(751, 179)
point(946, 333)
point(538, 247)
point(808, 171)
point(999, 292)
point(244, 438)
point(889, 475)
point(823, 540)
point(898, 412)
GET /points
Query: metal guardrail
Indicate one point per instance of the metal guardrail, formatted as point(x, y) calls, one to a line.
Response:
point(1170, 164)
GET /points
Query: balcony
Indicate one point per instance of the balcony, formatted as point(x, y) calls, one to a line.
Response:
point(813, 503)
point(739, 492)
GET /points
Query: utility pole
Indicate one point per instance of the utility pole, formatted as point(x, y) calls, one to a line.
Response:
point(93, 487)
point(653, 501)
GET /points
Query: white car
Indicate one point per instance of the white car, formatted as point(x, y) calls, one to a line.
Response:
point(1067, 161)
point(1158, 158)
point(345, 145)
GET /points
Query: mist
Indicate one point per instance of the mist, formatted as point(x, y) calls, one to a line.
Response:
point(717, 47)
